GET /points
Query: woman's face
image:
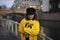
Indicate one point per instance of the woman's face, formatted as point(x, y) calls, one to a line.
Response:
point(31, 16)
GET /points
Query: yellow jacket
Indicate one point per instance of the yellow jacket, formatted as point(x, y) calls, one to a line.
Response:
point(31, 27)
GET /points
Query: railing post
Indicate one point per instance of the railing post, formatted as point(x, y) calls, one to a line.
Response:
point(6, 26)
point(12, 28)
point(3, 23)
point(9, 27)
point(16, 28)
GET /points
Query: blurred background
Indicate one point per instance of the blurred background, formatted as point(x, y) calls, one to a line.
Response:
point(48, 14)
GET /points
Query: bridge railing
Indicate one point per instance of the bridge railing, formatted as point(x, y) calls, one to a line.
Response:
point(12, 26)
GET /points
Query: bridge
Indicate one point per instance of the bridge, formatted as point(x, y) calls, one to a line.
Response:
point(6, 11)
point(9, 31)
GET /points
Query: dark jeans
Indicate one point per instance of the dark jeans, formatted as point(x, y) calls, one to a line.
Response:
point(27, 38)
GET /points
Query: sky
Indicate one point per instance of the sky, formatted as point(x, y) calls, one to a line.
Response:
point(8, 3)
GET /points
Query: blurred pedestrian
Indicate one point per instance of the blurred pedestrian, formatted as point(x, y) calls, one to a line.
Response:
point(29, 26)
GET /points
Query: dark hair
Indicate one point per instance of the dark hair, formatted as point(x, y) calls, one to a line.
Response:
point(35, 17)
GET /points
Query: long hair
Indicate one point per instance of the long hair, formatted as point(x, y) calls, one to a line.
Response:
point(35, 17)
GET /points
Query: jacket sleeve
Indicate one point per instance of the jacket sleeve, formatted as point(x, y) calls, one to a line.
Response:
point(35, 29)
point(20, 27)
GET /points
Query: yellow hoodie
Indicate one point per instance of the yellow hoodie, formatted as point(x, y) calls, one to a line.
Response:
point(29, 27)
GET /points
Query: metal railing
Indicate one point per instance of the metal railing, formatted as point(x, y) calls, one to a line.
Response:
point(13, 27)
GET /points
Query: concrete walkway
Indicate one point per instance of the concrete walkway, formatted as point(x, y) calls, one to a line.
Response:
point(6, 35)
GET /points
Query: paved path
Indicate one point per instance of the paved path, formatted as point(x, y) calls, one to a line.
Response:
point(6, 35)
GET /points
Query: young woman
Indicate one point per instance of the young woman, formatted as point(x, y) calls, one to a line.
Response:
point(29, 27)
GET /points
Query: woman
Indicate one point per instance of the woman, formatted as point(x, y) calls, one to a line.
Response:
point(29, 27)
